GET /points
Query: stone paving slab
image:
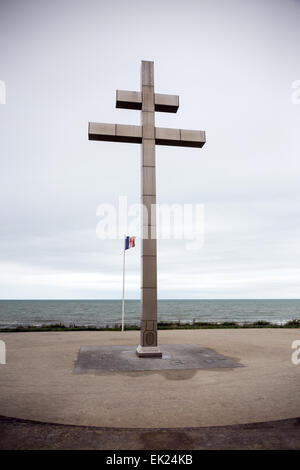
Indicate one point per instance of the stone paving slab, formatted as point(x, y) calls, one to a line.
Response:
point(93, 359)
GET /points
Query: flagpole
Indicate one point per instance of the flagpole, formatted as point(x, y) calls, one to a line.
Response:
point(123, 300)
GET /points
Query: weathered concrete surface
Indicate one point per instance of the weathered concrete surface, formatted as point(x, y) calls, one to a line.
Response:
point(22, 435)
point(93, 359)
point(38, 382)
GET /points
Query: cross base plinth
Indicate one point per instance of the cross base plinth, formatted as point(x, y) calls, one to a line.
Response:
point(148, 351)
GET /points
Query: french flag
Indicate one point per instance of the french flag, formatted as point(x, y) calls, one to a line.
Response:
point(129, 242)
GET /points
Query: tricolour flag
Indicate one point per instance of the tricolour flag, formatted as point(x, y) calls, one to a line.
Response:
point(129, 242)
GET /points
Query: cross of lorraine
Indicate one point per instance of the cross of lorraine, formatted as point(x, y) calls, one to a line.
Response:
point(148, 102)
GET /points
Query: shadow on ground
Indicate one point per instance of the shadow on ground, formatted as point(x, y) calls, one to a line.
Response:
point(17, 434)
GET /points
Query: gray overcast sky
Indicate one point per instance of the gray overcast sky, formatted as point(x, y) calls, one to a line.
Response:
point(232, 63)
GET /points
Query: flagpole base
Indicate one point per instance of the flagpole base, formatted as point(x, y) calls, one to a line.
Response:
point(148, 351)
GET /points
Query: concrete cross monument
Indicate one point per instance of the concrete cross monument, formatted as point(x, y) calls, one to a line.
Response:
point(147, 101)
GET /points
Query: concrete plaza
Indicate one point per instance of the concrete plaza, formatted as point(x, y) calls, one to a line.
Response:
point(38, 382)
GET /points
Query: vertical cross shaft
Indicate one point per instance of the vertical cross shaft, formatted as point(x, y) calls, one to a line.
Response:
point(148, 341)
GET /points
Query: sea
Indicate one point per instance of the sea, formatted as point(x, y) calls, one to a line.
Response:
point(107, 313)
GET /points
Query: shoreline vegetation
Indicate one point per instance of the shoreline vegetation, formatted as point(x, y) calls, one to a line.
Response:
point(161, 326)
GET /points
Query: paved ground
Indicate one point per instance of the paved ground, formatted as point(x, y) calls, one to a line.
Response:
point(94, 359)
point(21, 434)
point(38, 382)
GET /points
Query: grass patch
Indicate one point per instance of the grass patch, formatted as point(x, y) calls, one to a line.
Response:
point(161, 326)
